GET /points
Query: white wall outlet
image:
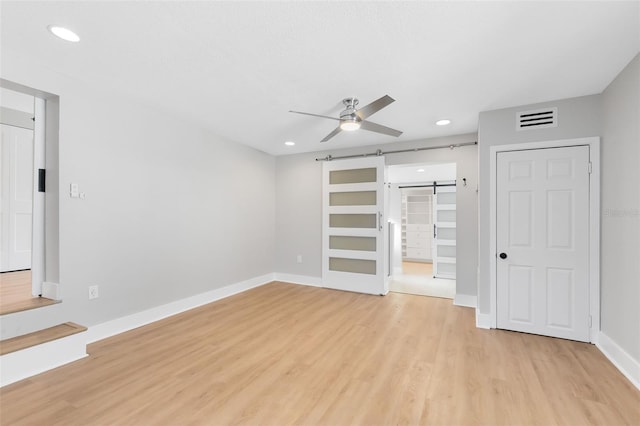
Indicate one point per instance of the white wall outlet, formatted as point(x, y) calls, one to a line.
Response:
point(299, 258)
point(93, 292)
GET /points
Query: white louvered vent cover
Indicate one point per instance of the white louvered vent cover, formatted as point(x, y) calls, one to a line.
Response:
point(537, 119)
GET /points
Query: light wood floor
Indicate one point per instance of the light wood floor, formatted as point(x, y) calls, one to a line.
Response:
point(286, 354)
point(417, 278)
point(15, 293)
point(417, 268)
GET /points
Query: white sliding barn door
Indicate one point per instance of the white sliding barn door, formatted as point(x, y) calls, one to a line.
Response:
point(444, 232)
point(354, 225)
point(542, 241)
point(16, 204)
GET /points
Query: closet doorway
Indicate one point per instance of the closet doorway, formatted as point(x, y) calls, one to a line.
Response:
point(423, 217)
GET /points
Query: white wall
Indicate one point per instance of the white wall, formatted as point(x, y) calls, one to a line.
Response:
point(299, 204)
point(577, 117)
point(615, 116)
point(16, 100)
point(170, 211)
point(620, 232)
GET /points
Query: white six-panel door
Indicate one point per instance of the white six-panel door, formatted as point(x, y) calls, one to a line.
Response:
point(542, 241)
point(354, 225)
point(16, 170)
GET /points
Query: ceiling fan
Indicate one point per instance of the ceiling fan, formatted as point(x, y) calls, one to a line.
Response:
point(354, 119)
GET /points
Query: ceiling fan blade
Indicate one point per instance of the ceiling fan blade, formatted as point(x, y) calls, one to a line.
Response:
point(315, 115)
point(374, 107)
point(373, 127)
point(332, 134)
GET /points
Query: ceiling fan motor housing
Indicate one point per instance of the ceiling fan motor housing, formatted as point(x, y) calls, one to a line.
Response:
point(349, 114)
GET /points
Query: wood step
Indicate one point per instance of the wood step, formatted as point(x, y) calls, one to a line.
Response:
point(15, 293)
point(42, 336)
point(11, 307)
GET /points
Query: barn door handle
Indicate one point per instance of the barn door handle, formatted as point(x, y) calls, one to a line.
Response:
point(503, 255)
point(380, 221)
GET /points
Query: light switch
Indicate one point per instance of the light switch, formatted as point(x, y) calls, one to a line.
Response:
point(74, 191)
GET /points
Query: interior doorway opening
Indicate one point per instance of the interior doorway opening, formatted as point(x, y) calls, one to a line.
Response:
point(24, 162)
point(422, 213)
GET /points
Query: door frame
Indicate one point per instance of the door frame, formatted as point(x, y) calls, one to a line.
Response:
point(23, 120)
point(45, 266)
point(38, 218)
point(594, 222)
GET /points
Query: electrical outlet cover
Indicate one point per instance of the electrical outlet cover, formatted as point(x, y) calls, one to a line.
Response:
point(93, 292)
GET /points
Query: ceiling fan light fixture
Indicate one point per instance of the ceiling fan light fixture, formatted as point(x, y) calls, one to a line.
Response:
point(63, 33)
point(349, 125)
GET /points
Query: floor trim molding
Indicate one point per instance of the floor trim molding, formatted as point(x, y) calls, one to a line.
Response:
point(483, 320)
point(129, 322)
point(299, 279)
point(465, 300)
point(624, 362)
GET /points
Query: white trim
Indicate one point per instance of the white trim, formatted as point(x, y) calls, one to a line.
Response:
point(483, 320)
point(624, 362)
point(299, 279)
point(38, 218)
point(34, 360)
point(51, 291)
point(354, 232)
point(129, 322)
point(465, 300)
point(353, 254)
point(352, 209)
point(594, 222)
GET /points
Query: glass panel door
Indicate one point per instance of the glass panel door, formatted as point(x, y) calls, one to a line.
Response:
point(354, 225)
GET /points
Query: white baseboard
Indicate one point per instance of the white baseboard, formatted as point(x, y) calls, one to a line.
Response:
point(483, 320)
point(299, 279)
point(51, 291)
point(28, 362)
point(624, 362)
point(129, 322)
point(465, 300)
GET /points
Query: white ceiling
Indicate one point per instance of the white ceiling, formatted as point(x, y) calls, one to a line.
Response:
point(238, 67)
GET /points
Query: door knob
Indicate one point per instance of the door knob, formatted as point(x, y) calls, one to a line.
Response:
point(503, 255)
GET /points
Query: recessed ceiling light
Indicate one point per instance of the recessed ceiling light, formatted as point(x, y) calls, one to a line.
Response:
point(289, 143)
point(443, 122)
point(63, 33)
point(420, 170)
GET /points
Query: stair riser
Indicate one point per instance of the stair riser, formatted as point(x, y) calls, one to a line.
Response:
point(19, 323)
point(28, 362)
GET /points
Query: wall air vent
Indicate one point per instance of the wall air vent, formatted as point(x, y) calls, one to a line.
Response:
point(537, 119)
